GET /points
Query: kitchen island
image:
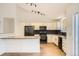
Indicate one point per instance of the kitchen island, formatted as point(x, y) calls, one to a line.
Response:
point(24, 44)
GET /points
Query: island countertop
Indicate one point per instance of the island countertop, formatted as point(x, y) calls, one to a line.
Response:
point(20, 37)
point(20, 44)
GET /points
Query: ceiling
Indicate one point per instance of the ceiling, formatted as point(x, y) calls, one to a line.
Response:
point(51, 10)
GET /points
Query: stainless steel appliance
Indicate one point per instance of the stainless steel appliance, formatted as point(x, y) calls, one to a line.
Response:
point(28, 30)
point(43, 34)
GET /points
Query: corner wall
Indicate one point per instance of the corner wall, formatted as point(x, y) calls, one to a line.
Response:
point(68, 43)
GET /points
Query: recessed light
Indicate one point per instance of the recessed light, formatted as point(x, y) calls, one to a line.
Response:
point(61, 17)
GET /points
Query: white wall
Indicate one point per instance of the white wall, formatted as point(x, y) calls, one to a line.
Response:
point(7, 11)
point(68, 43)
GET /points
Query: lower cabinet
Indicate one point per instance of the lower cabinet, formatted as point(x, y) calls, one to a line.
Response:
point(59, 41)
point(52, 39)
point(21, 45)
point(64, 44)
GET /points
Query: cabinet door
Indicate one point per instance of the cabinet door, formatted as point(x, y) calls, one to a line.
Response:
point(49, 38)
point(8, 25)
point(52, 39)
point(55, 39)
point(64, 43)
point(13, 45)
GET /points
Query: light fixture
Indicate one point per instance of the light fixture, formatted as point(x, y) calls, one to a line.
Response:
point(38, 12)
point(34, 11)
point(61, 17)
point(32, 4)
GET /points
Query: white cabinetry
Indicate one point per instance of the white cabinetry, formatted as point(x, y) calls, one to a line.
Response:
point(55, 37)
point(52, 38)
point(64, 44)
point(21, 45)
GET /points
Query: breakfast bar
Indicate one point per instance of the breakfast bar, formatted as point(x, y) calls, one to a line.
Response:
point(26, 44)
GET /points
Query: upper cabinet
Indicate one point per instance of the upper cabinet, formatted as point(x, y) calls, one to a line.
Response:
point(7, 25)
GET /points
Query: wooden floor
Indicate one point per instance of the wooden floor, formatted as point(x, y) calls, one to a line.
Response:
point(46, 50)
